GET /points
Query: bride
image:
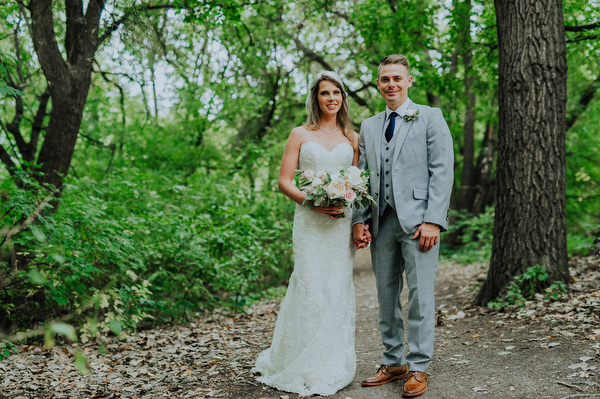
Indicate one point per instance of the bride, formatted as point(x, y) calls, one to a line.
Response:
point(312, 351)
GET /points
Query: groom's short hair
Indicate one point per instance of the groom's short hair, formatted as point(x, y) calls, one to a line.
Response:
point(394, 59)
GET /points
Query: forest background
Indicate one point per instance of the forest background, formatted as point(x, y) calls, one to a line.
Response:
point(167, 205)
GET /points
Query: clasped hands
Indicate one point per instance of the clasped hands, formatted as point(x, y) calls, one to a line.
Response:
point(428, 233)
point(361, 235)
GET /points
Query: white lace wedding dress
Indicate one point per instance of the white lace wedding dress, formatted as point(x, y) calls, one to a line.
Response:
point(312, 351)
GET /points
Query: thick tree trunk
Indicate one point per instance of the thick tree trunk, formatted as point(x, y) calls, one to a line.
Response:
point(68, 80)
point(61, 135)
point(530, 223)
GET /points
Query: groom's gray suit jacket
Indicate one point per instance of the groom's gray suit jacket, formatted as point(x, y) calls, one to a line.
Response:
point(422, 169)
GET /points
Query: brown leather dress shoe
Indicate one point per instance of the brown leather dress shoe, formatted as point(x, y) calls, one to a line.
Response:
point(386, 374)
point(415, 385)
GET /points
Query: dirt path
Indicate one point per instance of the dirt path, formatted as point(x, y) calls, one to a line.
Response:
point(547, 350)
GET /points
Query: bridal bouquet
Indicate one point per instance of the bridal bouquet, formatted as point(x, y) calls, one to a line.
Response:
point(348, 187)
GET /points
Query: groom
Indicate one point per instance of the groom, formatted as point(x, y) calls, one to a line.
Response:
point(408, 149)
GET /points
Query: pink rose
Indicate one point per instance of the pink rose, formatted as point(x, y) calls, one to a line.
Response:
point(350, 196)
point(308, 174)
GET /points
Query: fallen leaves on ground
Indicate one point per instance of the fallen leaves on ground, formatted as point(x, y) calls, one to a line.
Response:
point(197, 360)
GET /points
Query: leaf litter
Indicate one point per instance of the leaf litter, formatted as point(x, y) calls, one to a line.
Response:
point(212, 357)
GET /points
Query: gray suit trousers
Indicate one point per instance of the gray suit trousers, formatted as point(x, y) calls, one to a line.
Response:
point(393, 253)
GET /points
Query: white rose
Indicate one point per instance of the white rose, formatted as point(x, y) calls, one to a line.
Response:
point(337, 178)
point(317, 182)
point(321, 175)
point(353, 169)
point(356, 179)
point(353, 174)
point(336, 190)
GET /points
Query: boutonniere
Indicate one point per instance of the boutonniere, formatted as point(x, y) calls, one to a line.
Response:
point(410, 114)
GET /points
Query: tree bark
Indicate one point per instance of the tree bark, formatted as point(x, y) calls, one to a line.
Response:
point(530, 222)
point(68, 80)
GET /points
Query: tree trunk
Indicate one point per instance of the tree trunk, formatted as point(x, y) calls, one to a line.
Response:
point(68, 80)
point(530, 222)
point(485, 164)
point(468, 181)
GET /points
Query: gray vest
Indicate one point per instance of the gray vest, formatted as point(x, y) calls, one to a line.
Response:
point(386, 188)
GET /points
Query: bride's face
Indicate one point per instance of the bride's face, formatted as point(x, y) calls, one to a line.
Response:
point(330, 98)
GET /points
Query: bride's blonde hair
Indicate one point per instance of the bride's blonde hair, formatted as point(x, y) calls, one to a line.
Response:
point(312, 104)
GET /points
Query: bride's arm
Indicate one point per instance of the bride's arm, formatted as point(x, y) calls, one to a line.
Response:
point(289, 162)
point(356, 150)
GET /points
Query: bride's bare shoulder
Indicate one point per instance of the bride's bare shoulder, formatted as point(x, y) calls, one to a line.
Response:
point(301, 133)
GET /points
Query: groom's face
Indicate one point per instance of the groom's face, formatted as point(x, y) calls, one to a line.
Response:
point(393, 84)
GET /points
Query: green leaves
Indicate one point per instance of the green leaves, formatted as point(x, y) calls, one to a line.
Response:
point(6, 348)
point(525, 286)
point(81, 363)
point(151, 247)
point(5, 89)
point(58, 328)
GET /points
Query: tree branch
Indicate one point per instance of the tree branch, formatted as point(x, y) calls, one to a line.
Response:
point(584, 101)
point(13, 127)
point(108, 30)
point(97, 142)
point(582, 28)
point(75, 24)
point(7, 160)
point(44, 40)
point(582, 38)
point(311, 55)
point(37, 126)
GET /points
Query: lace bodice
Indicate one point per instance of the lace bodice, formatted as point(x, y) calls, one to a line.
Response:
point(316, 157)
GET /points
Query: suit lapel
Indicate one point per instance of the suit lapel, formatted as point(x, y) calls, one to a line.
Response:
point(376, 138)
point(402, 133)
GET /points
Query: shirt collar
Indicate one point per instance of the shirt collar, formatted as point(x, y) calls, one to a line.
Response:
point(401, 110)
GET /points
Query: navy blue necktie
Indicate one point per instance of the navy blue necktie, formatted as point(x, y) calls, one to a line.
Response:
point(389, 132)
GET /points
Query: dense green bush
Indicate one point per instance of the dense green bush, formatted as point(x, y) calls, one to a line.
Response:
point(474, 237)
point(139, 246)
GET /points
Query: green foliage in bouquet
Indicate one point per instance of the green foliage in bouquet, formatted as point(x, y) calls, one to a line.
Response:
point(349, 187)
